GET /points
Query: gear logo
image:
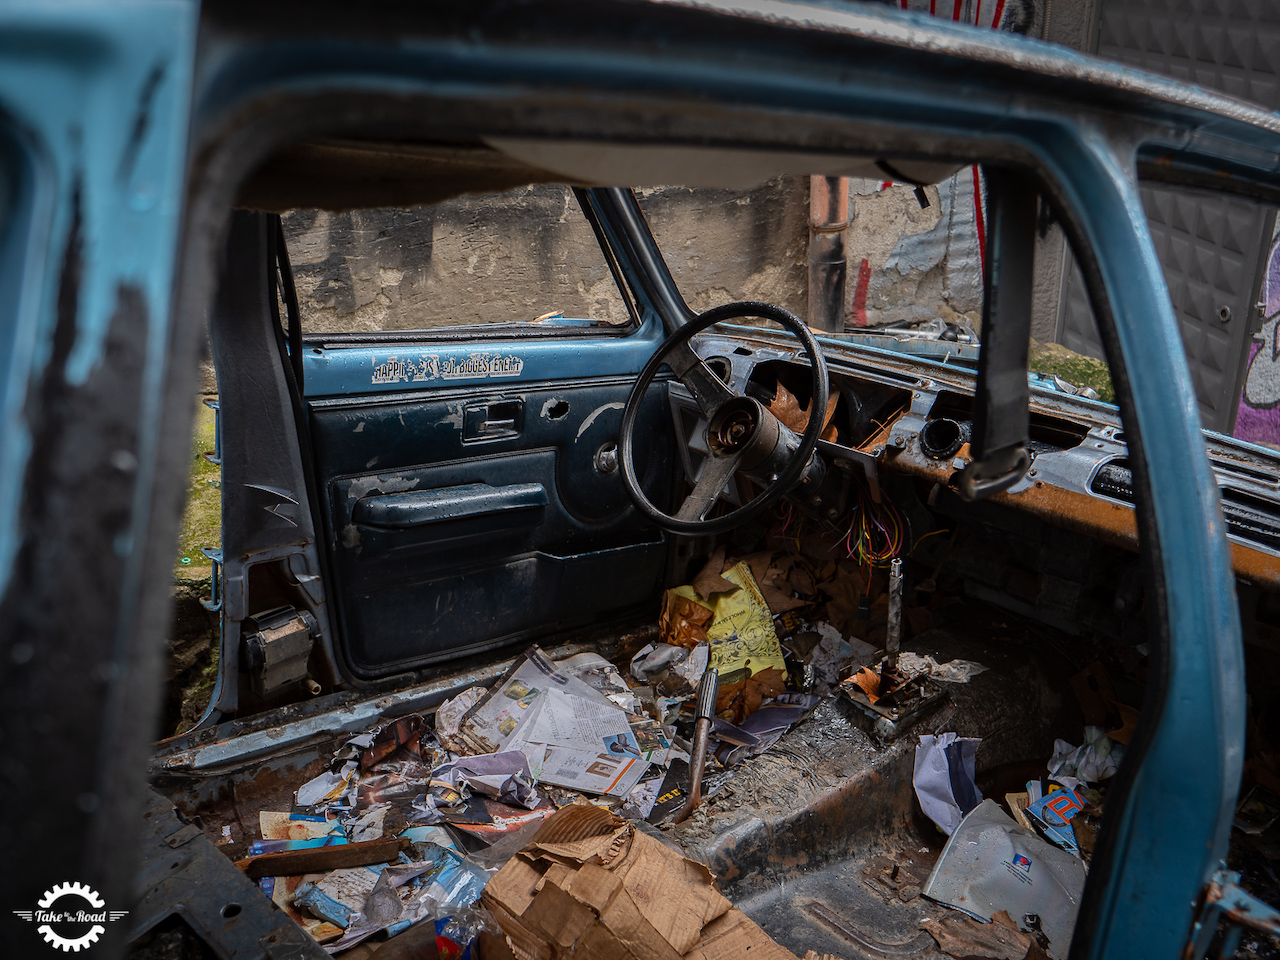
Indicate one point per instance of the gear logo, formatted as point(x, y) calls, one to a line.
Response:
point(63, 918)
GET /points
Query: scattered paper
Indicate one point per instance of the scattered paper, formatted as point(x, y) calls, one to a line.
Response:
point(368, 826)
point(514, 703)
point(992, 864)
point(501, 776)
point(738, 625)
point(912, 665)
point(602, 676)
point(329, 786)
point(639, 803)
point(570, 733)
point(944, 779)
point(291, 826)
point(1053, 812)
point(669, 669)
point(449, 715)
point(762, 729)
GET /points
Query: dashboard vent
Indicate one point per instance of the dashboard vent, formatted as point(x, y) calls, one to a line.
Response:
point(1248, 518)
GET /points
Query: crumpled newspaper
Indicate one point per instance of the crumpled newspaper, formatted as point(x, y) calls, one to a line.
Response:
point(338, 784)
point(449, 718)
point(953, 671)
point(500, 776)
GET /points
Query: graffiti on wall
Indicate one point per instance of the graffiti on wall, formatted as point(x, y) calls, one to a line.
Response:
point(1258, 414)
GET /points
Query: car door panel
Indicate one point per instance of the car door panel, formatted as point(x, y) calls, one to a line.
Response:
point(466, 518)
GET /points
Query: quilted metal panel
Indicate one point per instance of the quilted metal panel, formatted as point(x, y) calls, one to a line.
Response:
point(1210, 247)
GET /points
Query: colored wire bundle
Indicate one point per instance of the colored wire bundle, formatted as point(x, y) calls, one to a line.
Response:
point(875, 533)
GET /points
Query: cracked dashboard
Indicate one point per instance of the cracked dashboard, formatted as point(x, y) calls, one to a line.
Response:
point(909, 415)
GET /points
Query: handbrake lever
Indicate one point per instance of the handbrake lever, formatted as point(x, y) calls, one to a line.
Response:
point(708, 691)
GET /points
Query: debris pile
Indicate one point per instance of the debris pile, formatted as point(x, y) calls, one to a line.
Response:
point(417, 817)
point(1019, 869)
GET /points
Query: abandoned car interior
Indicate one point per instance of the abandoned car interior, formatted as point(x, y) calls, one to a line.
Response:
point(567, 605)
point(877, 584)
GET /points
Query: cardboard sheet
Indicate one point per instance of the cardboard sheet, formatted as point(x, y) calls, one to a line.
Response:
point(589, 885)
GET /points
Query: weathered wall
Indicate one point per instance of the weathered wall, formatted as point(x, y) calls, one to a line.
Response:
point(913, 262)
point(726, 245)
point(515, 257)
point(470, 260)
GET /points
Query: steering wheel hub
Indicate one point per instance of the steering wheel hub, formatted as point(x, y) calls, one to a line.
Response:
point(742, 426)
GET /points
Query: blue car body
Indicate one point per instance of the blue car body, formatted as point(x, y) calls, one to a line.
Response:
point(126, 126)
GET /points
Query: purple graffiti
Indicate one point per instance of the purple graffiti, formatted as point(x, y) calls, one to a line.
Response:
point(1258, 416)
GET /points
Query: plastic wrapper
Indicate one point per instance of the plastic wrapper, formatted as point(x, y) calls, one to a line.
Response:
point(992, 864)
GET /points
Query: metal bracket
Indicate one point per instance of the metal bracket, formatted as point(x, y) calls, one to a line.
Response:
point(214, 456)
point(983, 478)
point(1224, 899)
point(213, 602)
point(222, 906)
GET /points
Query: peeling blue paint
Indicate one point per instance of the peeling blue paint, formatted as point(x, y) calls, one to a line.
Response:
point(72, 79)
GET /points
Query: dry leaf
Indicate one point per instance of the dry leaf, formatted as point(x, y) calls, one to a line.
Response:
point(744, 697)
point(801, 578)
point(779, 599)
point(683, 622)
point(919, 619)
point(845, 588)
point(965, 938)
point(786, 408)
point(709, 581)
point(759, 564)
point(1128, 723)
point(869, 681)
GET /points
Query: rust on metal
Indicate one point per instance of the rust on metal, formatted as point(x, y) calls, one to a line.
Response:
point(1108, 521)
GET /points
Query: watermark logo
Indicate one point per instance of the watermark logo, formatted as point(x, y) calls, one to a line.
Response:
point(63, 918)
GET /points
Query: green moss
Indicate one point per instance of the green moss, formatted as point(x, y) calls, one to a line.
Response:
point(1053, 359)
point(202, 517)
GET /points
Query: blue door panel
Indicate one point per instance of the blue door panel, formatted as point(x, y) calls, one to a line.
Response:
point(463, 519)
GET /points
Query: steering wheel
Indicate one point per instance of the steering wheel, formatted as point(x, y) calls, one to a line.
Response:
point(741, 432)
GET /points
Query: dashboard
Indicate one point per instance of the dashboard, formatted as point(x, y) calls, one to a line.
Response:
point(910, 415)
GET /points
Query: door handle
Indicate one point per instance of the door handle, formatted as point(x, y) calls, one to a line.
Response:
point(493, 421)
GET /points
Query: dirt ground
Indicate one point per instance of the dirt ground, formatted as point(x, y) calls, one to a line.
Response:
point(193, 638)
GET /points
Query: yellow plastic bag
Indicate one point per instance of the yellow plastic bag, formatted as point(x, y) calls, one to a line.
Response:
point(741, 629)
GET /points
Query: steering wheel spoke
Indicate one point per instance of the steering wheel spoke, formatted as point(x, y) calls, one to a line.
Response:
point(716, 474)
point(708, 390)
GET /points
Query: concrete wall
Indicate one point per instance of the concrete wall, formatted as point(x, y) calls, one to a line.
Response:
point(474, 259)
point(516, 256)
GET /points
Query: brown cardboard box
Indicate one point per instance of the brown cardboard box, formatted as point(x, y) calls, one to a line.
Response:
point(590, 885)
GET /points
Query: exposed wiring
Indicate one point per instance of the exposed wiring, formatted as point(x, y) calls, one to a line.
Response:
point(879, 533)
point(932, 533)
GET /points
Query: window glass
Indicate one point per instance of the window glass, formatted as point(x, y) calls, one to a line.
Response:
point(527, 256)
